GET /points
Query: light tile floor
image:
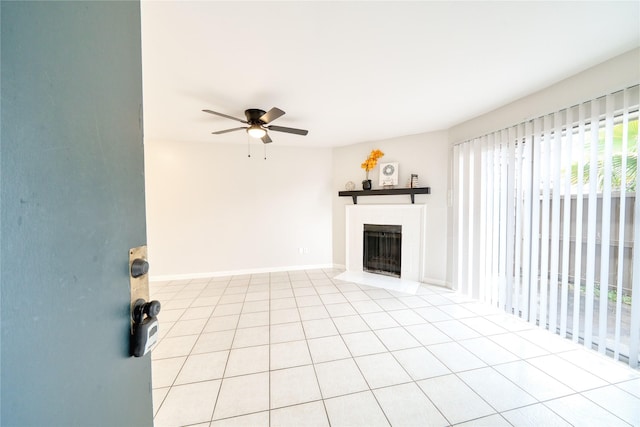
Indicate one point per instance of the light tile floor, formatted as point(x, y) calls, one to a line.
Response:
point(300, 348)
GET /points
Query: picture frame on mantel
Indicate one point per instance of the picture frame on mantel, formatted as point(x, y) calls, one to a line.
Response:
point(388, 174)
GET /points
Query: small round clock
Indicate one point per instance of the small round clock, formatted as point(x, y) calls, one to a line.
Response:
point(388, 170)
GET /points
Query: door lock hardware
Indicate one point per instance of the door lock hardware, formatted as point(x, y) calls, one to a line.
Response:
point(144, 334)
point(138, 276)
point(144, 323)
point(139, 267)
point(142, 308)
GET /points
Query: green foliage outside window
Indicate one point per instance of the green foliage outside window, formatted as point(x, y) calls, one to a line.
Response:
point(617, 173)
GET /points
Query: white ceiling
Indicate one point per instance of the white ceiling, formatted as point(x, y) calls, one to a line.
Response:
point(360, 71)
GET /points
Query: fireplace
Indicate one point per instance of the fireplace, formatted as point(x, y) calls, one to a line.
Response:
point(382, 249)
point(411, 217)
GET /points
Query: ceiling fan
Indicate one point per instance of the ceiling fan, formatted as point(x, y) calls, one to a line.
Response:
point(257, 120)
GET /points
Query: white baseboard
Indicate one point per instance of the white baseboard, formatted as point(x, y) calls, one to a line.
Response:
point(436, 282)
point(191, 276)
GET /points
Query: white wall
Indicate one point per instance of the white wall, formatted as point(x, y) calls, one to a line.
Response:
point(424, 154)
point(213, 210)
point(616, 74)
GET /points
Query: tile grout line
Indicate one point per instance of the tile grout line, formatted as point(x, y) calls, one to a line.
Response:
point(313, 364)
point(226, 364)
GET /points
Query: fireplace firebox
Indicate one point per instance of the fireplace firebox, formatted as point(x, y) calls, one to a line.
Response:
point(382, 249)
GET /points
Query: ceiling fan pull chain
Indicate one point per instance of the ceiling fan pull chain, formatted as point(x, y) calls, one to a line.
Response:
point(248, 146)
point(265, 151)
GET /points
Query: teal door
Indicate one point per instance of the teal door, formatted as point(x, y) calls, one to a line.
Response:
point(72, 203)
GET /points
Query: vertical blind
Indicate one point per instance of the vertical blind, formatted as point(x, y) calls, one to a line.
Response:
point(544, 222)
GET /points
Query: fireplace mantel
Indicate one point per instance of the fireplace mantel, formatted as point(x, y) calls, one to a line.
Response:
point(385, 192)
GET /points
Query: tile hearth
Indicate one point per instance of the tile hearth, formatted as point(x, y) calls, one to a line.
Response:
point(301, 348)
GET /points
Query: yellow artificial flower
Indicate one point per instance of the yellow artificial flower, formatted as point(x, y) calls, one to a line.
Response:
point(372, 160)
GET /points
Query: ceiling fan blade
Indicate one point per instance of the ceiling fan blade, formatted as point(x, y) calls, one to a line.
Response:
point(224, 115)
point(288, 130)
point(266, 139)
point(226, 130)
point(271, 115)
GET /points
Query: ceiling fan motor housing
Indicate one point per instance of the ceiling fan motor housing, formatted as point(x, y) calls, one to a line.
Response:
point(253, 115)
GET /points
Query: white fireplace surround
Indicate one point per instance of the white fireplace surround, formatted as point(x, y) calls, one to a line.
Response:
point(411, 217)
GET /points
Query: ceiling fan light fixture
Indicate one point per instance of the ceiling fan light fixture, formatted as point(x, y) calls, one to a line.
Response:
point(256, 131)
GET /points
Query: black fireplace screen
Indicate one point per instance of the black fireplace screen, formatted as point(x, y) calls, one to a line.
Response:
point(382, 250)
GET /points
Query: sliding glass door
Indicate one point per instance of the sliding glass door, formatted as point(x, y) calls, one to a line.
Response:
point(544, 222)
